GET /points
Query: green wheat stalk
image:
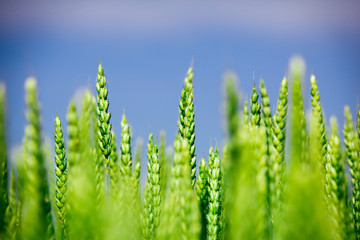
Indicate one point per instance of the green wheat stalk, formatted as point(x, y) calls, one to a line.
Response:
point(353, 160)
point(125, 158)
point(278, 141)
point(231, 158)
point(164, 165)
point(335, 180)
point(104, 125)
point(3, 160)
point(316, 109)
point(245, 119)
point(98, 161)
point(114, 170)
point(152, 197)
point(202, 190)
point(61, 175)
point(85, 122)
point(269, 169)
point(137, 170)
point(187, 119)
point(262, 215)
point(73, 134)
point(299, 137)
point(11, 211)
point(181, 217)
point(38, 220)
point(214, 195)
point(255, 108)
point(305, 215)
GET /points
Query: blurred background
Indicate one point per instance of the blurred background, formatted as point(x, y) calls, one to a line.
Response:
point(146, 48)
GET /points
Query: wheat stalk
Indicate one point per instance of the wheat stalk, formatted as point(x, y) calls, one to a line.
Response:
point(61, 175)
point(335, 184)
point(152, 197)
point(38, 221)
point(74, 135)
point(316, 109)
point(255, 108)
point(245, 119)
point(187, 120)
point(104, 125)
point(353, 159)
point(11, 213)
point(278, 141)
point(125, 163)
point(202, 190)
point(214, 195)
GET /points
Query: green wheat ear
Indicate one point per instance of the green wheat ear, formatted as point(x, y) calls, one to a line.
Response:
point(38, 221)
point(245, 119)
point(202, 190)
point(3, 160)
point(305, 215)
point(102, 110)
point(254, 108)
point(137, 170)
point(74, 135)
point(125, 163)
point(278, 141)
point(11, 213)
point(232, 150)
point(152, 197)
point(164, 165)
point(353, 159)
point(187, 120)
point(85, 122)
point(61, 175)
point(316, 109)
point(335, 184)
point(214, 195)
point(181, 217)
point(270, 171)
point(114, 170)
point(299, 137)
point(98, 157)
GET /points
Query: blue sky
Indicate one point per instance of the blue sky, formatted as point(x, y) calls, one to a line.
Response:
point(146, 49)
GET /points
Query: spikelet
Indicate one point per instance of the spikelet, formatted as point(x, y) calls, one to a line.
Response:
point(114, 170)
point(164, 165)
point(104, 125)
point(74, 135)
point(38, 220)
point(214, 195)
point(255, 108)
point(125, 158)
point(11, 212)
point(231, 159)
point(181, 217)
point(98, 158)
point(61, 175)
point(152, 197)
point(335, 184)
point(202, 192)
point(245, 119)
point(305, 215)
point(187, 120)
point(353, 160)
point(316, 109)
point(278, 141)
